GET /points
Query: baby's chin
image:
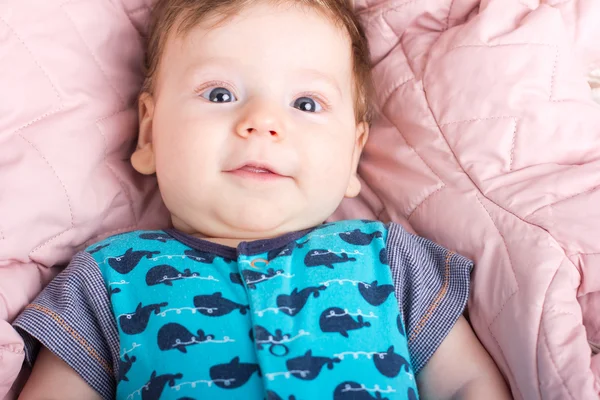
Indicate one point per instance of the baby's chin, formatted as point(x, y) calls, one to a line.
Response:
point(245, 226)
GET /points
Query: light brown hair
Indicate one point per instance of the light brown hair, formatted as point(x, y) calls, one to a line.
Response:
point(183, 15)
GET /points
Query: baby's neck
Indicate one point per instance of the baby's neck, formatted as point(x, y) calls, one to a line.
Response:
point(236, 237)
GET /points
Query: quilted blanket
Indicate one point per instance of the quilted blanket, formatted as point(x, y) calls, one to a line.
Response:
point(489, 143)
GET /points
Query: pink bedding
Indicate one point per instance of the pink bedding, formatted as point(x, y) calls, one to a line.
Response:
point(488, 142)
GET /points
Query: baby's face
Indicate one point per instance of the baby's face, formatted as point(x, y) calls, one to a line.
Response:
point(252, 124)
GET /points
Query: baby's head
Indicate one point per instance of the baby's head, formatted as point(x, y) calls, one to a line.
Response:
point(254, 113)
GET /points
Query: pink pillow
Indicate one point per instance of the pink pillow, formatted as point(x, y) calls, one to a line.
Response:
point(70, 72)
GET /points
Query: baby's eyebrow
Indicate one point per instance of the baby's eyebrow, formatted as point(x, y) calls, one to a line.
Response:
point(322, 76)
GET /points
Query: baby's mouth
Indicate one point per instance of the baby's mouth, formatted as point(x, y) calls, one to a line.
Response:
point(258, 171)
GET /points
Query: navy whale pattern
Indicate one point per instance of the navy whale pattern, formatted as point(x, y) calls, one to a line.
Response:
point(374, 293)
point(326, 258)
point(291, 304)
point(166, 274)
point(335, 319)
point(127, 262)
point(292, 322)
point(175, 336)
point(136, 322)
point(233, 374)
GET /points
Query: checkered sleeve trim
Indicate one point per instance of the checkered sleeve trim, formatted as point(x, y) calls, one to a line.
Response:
point(432, 288)
point(72, 318)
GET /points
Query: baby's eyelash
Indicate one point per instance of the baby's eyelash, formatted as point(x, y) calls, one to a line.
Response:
point(316, 96)
point(214, 84)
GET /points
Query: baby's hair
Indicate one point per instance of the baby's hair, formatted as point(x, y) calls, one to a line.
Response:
point(184, 15)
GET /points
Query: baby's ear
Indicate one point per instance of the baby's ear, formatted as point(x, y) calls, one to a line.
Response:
point(142, 158)
point(362, 134)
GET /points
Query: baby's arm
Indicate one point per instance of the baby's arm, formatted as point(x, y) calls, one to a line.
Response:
point(71, 323)
point(52, 378)
point(461, 369)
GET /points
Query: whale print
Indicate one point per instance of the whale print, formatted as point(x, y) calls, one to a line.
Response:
point(166, 274)
point(411, 394)
point(236, 278)
point(127, 262)
point(400, 325)
point(253, 278)
point(136, 322)
point(335, 319)
point(155, 386)
point(124, 367)
point(285, 251)
point(112, 291)
point(200, 256)
point(215, 305)
point(175, 336)
point(390, 363)
point(358, 238)
point(325, 258)
point(271, 395)
point(161, 237)
point(293, 303)
point(234, 374)
point(262, 337)
point(374, 294)
point(98, 248)
point(383, 256)
point(309, 366)
point(354, 391)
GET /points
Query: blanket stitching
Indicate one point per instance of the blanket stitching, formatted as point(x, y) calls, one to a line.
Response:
point(512, 294)
point(449, 12)
point(10, 349)
point(477, 119)
point(384, 8)
point(95, 58)
point(114, 173)
point(38, 119)
point(582, 254)
point(443, 184)
point(415, 208)
point(513, 144)
point(554, 64)
point(543, 327)
point(502, 45)
point(62, 233)
point(514, 136)
point(108, 234)
point(553, 77)
point(389, 93)
point(561, 200)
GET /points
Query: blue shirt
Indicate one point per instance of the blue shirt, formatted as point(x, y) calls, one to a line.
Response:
point(268, 310)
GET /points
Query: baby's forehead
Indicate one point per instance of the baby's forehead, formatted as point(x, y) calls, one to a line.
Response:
point(269, 39)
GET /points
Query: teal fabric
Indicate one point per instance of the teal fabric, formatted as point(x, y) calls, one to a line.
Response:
point(314, 319)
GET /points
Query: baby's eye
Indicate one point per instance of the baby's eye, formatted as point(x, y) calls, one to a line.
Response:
point(219, 95)
point(307, 104)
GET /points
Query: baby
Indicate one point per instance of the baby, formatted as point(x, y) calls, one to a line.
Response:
point(253, 117)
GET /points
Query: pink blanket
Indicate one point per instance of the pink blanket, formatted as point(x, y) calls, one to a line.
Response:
point(489, 143)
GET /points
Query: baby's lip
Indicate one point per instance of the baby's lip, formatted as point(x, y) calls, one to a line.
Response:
point(257, 168)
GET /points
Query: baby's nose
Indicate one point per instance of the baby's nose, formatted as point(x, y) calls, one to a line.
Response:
point(260, 118)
